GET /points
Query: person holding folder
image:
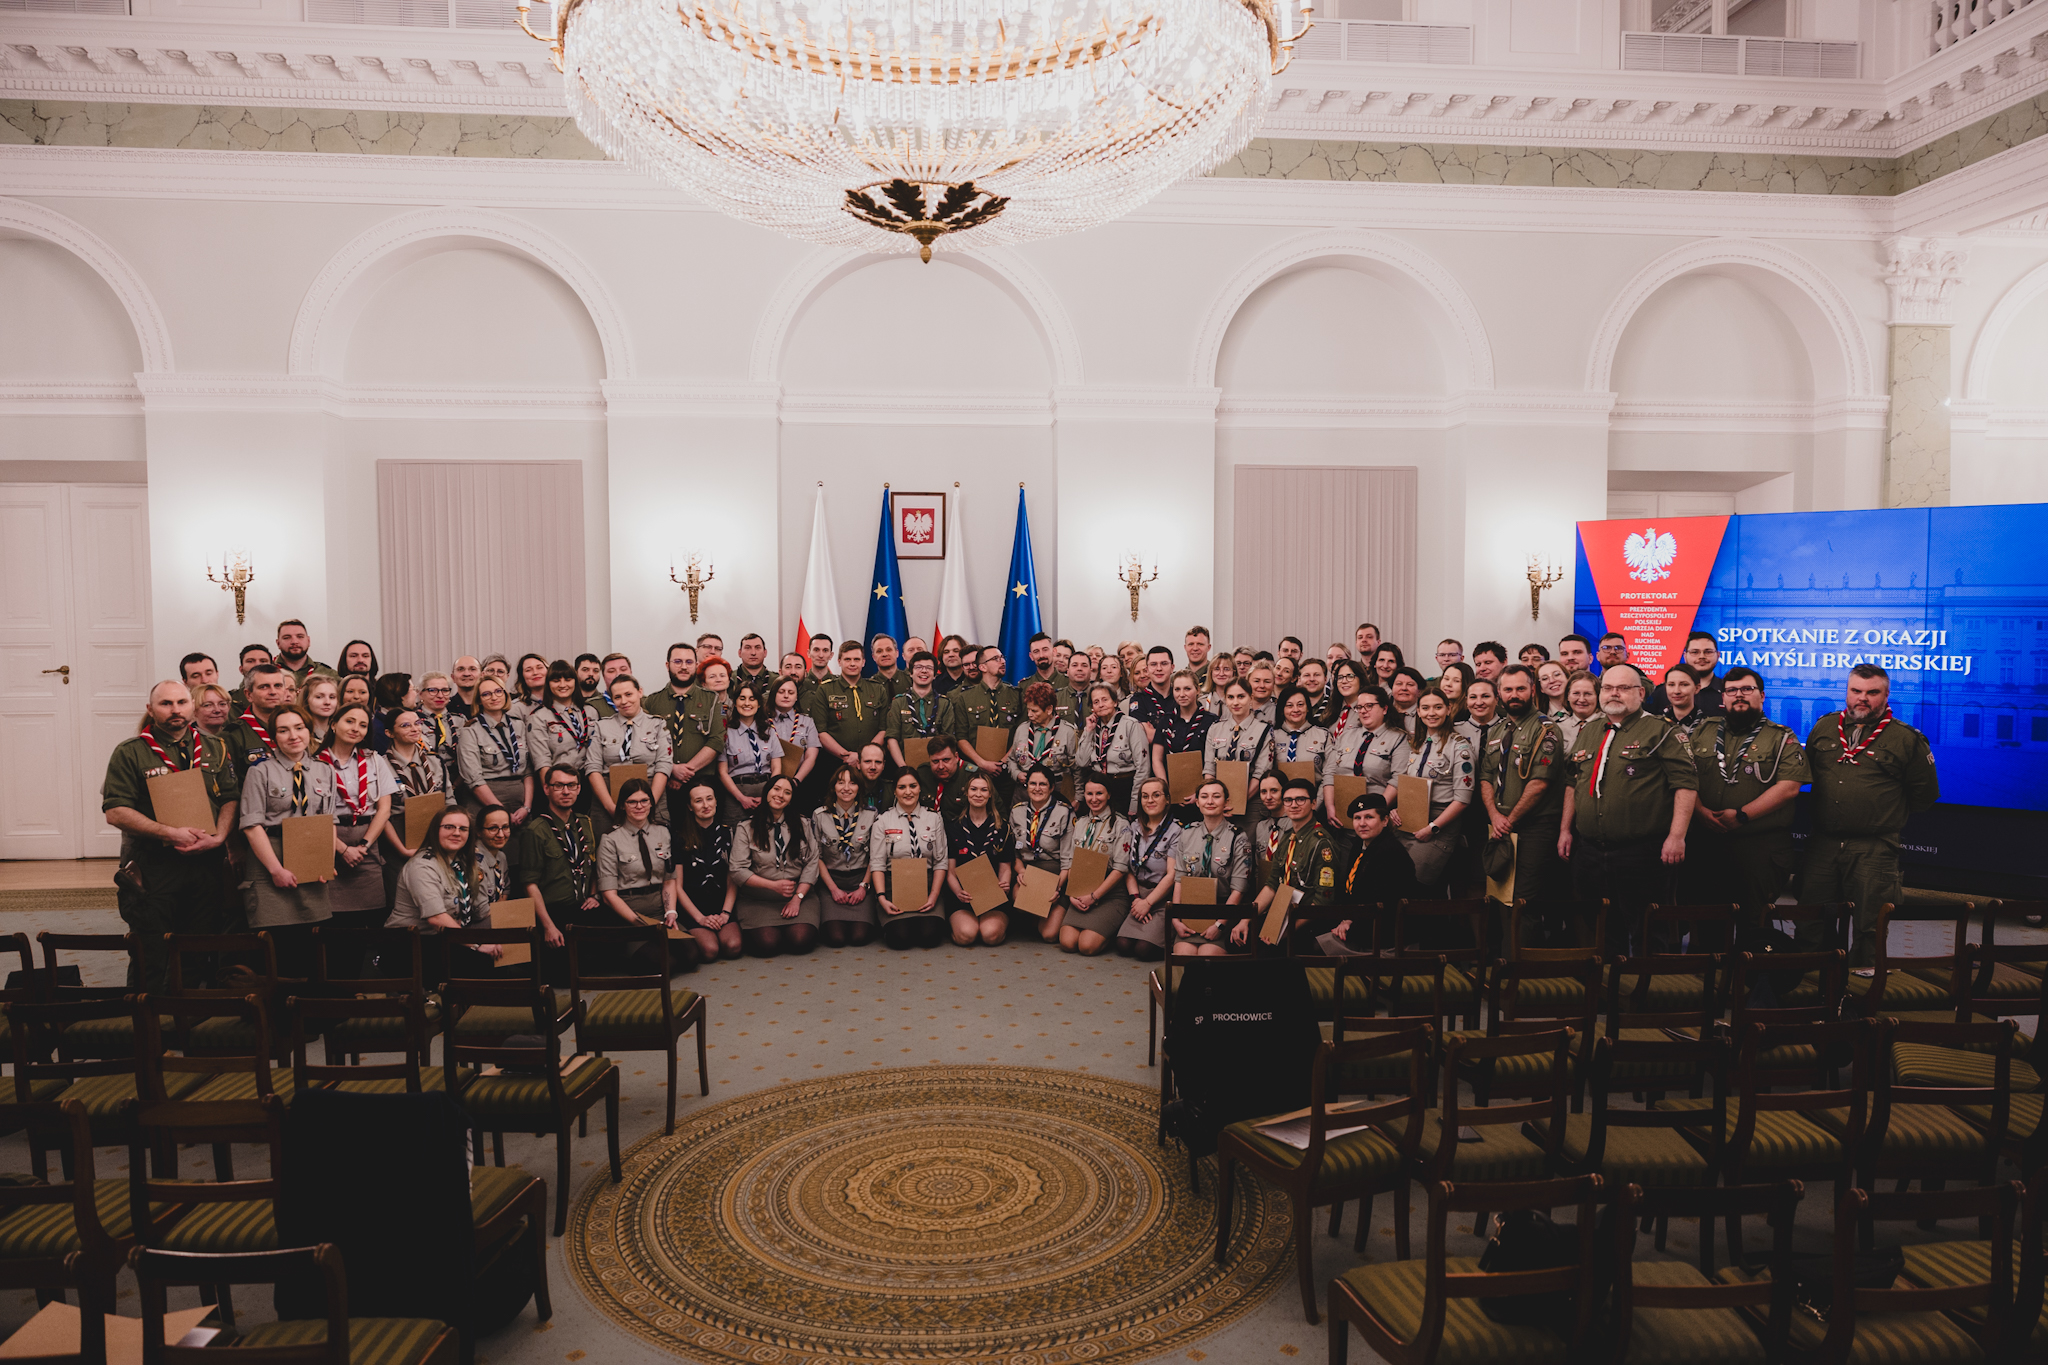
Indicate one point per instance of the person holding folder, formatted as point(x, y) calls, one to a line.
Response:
point(753, 755)
point(841, 830)
point(1151, 860)
point(1376, 879)
point(1305, 868)
point(1182, 728)
point(494, 760)
point(1238, 737)
point(1038, 830)
point(443, 887)
point(978, 833)
point(1112, 746)
point(633, 866)
point(1443, 758)
point(291, 783)
point(1043, 740)
point(796, 732)
point(1095, 906)
point(1212, 849)
point(1373, 748)
point(918, 712)
point(775, 870)
point(555, 862)
point(988, 704)
point(364, 785)
point(172, 861)
point(628, 736)
point(908, 831)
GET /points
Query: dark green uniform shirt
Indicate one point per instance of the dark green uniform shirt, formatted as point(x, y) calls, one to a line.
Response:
point(913, 717)
point(852, 713)
point(975, 706)
point(897, 685)
point(1532, 751)
point(244, 749)
point(540, 858)
point(1735, 770)
point(693, 724)
point(1646, 762)
point(133, 763)
point(309, 669)
point(1307, 861)
point(950, 801)
point(763, 679)
point(1891, 779)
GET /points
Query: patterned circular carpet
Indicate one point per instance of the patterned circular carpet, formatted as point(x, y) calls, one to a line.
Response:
point(972, 1215)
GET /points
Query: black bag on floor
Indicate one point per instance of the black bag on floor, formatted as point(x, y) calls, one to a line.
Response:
point(1242, 1037)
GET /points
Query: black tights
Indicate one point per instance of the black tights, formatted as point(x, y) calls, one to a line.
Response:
point(922, 931)
point(1139, 949)
point(795, 939)
point(847, 933)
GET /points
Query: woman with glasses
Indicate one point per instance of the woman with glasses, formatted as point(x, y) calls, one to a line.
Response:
point(493, 758)
point(442, 888)
point(1375, 748)
point(633, 868)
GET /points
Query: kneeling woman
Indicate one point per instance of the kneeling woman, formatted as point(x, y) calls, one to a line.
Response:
point(632, 871)
point(1214, 849)
point(1152, 857)
point(775, 867)
point(444, 886)
point(1038, 831)
point(978, 833)
point(908, 830)
point(1094, 912)
point(842, 829)
point(703, 878)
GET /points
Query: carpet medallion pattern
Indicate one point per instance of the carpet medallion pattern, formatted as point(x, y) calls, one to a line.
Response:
point(977, 1216)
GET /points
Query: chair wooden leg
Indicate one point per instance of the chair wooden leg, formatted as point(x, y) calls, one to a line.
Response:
point(1151, 1027)
point(562, 1141)
point(476, 1138)
point(670, 1130)
point(223, 1162)
point(498, 1148)
point(1364, 1222)
point(536, 1219)
point(611, 1127)
point(1401, 1221)
point(1340, 1338)
point(1304, 1255)
point(583, 1124)
point(1226, 1177)
point(1663, 1229)
point(703, 1068)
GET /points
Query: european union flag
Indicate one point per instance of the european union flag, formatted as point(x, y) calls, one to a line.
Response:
point(885, 593)
point(1020, 601)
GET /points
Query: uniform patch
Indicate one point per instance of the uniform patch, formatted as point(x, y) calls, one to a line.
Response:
point(1328, 879)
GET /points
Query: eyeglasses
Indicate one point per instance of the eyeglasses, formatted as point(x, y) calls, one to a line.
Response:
point(1740, 690)
point(437, 691)
point(1295, 798)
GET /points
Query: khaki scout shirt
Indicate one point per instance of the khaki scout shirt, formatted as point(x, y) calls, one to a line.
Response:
point(977, 705)
point(1735, 770)
point(1646, 762)
point(1889, 781)
point(694, 721)
point(133, 763)
point(1306, 861)
point(1531, 751)
point(913, 717)
point(851, 712)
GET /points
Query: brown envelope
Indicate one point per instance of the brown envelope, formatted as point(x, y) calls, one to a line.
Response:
point(513, 915)
point(992, 742)
point(1502, 889)
point(909, 883)
point(1304, 769)
point(792, 759)
point(418, 814)
point(1236, 777)
point(1091, 865)
point(309, 847)
point(677, 932)
point(1035, 889)
point(1349, 789)
point(1197, 926)
point(916, 752)
point(1195, 890)
point(1276, 914)
point(180, 800)
point(1413, 793)
point(984, 890)
point(54, 1331)
point(622, 773)
point(1183, 777)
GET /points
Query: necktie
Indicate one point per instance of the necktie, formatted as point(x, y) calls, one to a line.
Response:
point(1208, 854)
point(646, 858)
point(298, 789)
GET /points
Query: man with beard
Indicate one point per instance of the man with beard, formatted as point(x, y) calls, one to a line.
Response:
point(1627, 807)
point(1519, 771)
point(695, 727)
point(1750, 770)
point(1870, 772)
point(294, 652)
point(754, 666)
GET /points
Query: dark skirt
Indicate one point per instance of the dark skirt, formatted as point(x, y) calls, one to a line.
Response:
point(1102, 918)
point(864, 913)
point(1151, 931)
point(763, 910)
point(358, 888)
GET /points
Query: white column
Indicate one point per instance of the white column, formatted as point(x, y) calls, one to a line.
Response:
point(1921, 275)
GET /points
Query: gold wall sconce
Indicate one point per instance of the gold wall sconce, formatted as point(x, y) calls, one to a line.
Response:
point(1133, 578)
point(1541, 576)
point(692, 582)
point(236, 574)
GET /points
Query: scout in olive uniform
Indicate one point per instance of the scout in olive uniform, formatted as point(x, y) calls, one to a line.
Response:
point(989, 702)
point(1306, 860)
point(1750, 771)
point(1521, 787)
point(849, 714)
point(170, 879)
point(554, 860)
point(1630, 799)
point(945, 780)
point(696, 731)
point(918, 711)
point(1870, 772)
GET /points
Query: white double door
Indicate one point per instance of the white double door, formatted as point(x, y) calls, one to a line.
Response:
point(74, 658)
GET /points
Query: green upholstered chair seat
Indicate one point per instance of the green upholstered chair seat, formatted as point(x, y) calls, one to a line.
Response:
point(481, 1022)
point(102, 1039)
point(377, 1035)
point(51, 1230)
point(1501, 1153)
point(1352, 1161)
point(2009, 982)
point(1789, 1056)
point(1655, 1158)
point(1668, 992)
point(491, 1188)
point(1882, 1338)
point(1458, 988)
point(1687, 1336)
point(522, 1102)
point(431, 1078)
point(1805, 995)
point(2021, 1123)
point(224, 1037)
point(1925, 1064)
point(236, 1225)
point(1650, 1071)
point(241, 1085)
point(1393, 1292)
point(44, 1089)
point(615, 1019)
point(1322, 990)
point(1903, 990)
point(1783, 1139)
point(371, 1341)
point(103, 1096)
point(1946, 1263)
point(1923, 1131)
point(1548, 995)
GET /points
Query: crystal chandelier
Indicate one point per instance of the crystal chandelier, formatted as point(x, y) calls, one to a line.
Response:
point(883, 123)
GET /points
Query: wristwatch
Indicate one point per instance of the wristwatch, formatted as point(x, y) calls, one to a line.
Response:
point(1741, 816)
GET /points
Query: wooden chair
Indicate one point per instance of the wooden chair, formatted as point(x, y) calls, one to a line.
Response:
point(1700, 931)
point(253, 972)
point(1917, 1130)
point(100, 1037)
point(501, 1102)
point(1825, 926)
point(1953, 1262)
point(1924, 986)
point(375, 1021)
point(374, 1032)
point(105, 1088)
point(1523, 997)
point(2026, 912)
point(1412, 1313)
point(1372, 1158)
point(69, 1235)
point(1465, 966)
point(1173, 973)
point(1539, 992)
point(641, 1013)
point(1667, 1311)
point(2025, 1140)
point(489, 1023)
point(1534, 1072)
point(336, 1339)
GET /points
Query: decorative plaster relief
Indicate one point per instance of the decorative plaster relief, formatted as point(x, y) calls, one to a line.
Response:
point(1916, 472)
point(59, 123)
point(1574, 167)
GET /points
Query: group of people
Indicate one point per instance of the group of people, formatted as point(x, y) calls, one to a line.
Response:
point(1140, 800)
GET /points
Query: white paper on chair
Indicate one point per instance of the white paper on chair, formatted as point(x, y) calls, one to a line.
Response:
point(1294, 1132)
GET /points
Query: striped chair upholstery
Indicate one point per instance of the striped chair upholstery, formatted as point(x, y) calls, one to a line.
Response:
point(1915, 1130)
point(241, 1085)
point(2022, 1123)
point(1322, 990)
point(236, 1225)
point(499, 1102)
point(615, 1013)
point(103, 1096)
point(1924, 1064)
point(377, 1035)
point(1902, 991)
point(371, 1341)
point(1346, 1160)
point(1884, 1338)
point(1940, 1264)
point(1687, 1336)
point(1782, 1139)
point(1655, 1158)
point(1394, 1293)
point(1502, 1153)
point(51, 1230)
point(502, 1021)
point(491, 1188)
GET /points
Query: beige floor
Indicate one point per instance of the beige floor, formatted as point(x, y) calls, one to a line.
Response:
point(43, 875)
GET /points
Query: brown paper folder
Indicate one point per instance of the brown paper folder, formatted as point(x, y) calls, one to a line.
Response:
point(1349, 789)
point(621, 773)
point(309, 847)
point(1276, 914)
point(1414, 801)
point(1236, 777)
point(180, 800)
point(513, 915)
point(992, 742)
point(1197, 926)
point(916, 752)
point(1304, 769)
point(1502, 889)
point(54, 1332)
point(1195, 890)
point(418, 814)
point(678, 932)
point(984, 889)
point(909, 883)
point(792, 759)
point(1183, 777)
point(1035, 889)
point(1091, 866)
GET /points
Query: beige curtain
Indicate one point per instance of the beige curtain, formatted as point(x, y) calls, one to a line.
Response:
point(1354, 528)
point(479, 556)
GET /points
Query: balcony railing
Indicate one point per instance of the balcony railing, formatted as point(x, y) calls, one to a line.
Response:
point(1954, 20)
point(425, 13)
point(1374, 40)
point(1731, 55)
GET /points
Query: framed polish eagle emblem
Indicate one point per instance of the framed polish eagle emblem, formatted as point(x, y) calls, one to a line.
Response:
point(919, 524)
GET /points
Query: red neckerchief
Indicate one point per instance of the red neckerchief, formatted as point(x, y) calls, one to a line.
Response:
point(1600, 761)
point(198, 759)
point(1855, 755)
point(249, 719)
point(359, 804)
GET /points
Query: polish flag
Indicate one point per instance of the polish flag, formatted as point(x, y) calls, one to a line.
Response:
point(819, 612)
point(956, 608)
